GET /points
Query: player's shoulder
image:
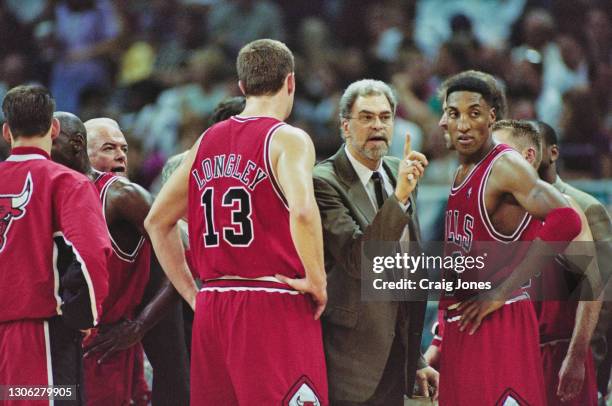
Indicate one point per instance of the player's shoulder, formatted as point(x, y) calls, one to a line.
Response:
point(508, 163)
point(63, 174)
point(288, 136)
point(122, 189)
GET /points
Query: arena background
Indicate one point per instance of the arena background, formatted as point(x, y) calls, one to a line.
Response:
point(159, 67)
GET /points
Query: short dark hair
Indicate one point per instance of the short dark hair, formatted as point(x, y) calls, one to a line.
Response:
point(227, 108)
point(263, 65)
point(499, 102)
point(523, 130)
point(28, 110)
point(547, 133)
point(470, 83)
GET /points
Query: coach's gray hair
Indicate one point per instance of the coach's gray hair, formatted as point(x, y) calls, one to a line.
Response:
point(365, 87)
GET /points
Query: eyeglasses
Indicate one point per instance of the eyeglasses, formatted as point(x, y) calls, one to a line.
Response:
point(370, 118)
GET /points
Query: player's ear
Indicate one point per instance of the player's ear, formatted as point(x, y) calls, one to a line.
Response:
point(290, 79)
point(554, 153)
point(78, 143)
point(530, 155)
point(241, 86)
point(55, 128)
point(492, 115)
point(6, 133)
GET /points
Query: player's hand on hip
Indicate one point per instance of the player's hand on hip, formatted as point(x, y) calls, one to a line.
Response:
point(304, 285)
point(428, 381)
point(411, 169)
point(474, 310)
point(571, 377)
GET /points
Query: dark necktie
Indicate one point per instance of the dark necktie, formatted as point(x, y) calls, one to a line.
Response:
point(379, 189)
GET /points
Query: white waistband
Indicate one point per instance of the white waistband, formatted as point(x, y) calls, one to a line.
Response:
point(234, 277)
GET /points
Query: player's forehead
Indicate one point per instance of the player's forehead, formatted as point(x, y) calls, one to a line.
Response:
point(373, 103)
point(464, 99)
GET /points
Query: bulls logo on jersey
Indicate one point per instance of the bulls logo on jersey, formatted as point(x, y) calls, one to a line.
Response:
point(459, 231)
point(302, 394)
point(13, 207)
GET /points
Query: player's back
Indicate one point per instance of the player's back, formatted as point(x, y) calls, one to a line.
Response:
point(238, 216)
point(33, 240)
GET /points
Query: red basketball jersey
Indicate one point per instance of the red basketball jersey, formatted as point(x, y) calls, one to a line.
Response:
point(468, 226)
point(128, 272)
point(46, 208)
point(238, 216)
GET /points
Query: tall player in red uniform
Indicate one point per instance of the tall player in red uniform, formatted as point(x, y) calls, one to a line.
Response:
point(566, 326)
point(256, 241)
point(114, 371)
point(52, 263)
point(493, 198)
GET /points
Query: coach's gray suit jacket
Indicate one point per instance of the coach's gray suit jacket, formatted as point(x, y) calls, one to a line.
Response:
point(601, 228)
point(357, 334)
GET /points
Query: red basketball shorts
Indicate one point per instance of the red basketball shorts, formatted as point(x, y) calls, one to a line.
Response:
point(257, 345)
point(25, 356)
point(119, 380)
point(553, 354)
point(499, 365)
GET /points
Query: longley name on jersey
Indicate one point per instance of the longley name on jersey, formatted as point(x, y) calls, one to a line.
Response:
point(228, 166)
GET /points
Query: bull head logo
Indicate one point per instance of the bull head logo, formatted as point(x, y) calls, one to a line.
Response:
point(12, 207)
point(304, 396)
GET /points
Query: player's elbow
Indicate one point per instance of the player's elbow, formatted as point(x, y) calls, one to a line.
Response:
point(152, 223)
point(304, 212)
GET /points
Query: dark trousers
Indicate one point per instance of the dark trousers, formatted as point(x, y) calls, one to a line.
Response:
point(390, 389)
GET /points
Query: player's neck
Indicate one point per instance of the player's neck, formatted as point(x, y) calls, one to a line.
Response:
point(266, 106)
point(43, 143)
point(477, 156)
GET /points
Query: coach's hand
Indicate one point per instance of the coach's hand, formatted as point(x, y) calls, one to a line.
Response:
point(304, 285)
point(571, 377)
point(116, 337)
point(411, 169)
point(428, 380)
point(474, 310)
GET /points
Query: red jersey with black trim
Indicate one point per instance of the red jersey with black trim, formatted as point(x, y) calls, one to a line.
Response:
point(128, 272)
point(238, 216)
point(469, 231)
point(46, 209)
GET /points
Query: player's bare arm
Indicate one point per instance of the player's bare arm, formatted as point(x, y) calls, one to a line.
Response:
point(293, 157)
point(511, 174)
point(162, 226)
point(572, 372)
point(127, 205)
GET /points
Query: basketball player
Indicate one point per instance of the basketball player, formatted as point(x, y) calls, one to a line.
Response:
point(53, 271)
point(566, 326)
point(114, 371)
point(493, 198)
point(256, 242)
point(499, 103)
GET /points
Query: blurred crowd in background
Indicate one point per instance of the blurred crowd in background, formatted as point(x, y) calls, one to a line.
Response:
point(159, 67)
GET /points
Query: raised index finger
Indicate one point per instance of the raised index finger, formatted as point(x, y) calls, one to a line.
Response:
point(407, 146)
